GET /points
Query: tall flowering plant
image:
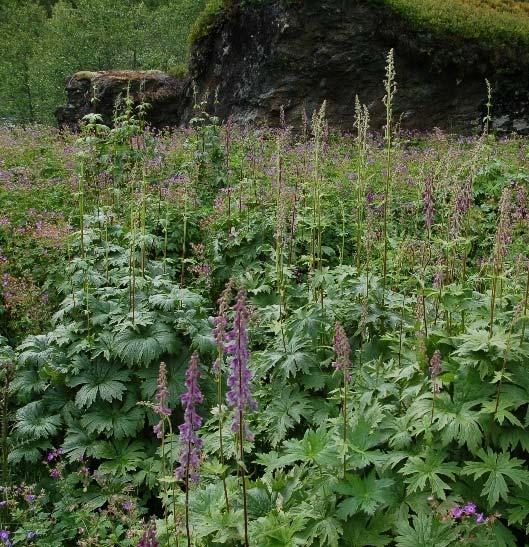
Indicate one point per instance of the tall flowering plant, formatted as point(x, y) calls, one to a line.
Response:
point(239, 396)
point(163, 411)
point(342, 364)
point(220, 323)
point(191, 443)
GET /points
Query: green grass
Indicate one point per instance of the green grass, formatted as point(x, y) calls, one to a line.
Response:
point(492, 22)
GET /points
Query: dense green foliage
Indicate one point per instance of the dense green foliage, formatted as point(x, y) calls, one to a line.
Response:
point(40, 51)
point(387, 280)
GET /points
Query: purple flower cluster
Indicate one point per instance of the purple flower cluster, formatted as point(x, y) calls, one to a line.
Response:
point(162, 394)
point(342, 349)
point(468, 510)
point(239, 396)
point(148, 539)
point(190, 441)
point(53, 457)
point(4, 538)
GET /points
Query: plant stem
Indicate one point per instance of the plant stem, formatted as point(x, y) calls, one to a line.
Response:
point(188, 531)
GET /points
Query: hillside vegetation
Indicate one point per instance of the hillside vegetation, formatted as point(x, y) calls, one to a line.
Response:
point(491, 21)
point(227, 336)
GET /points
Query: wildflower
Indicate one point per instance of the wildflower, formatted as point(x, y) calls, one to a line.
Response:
point(53, 454)
point(4, 538)
point(342, 349)
point(504, 232)
point(148, 539)
point(239, 396)
point(520, 211)
point(127, 506)
point(220, 323)
point(31, 535)
point(30, 498)
point(435, 370)
point(189, 439)
point(428, 202)
point(162, 394)
point(55, 473)
point(468, 510)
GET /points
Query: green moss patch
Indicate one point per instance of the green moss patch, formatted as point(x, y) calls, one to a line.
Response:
point(492, 22)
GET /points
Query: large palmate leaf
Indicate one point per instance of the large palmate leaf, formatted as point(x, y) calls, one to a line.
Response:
point(457, 420)
point(175, 298)
point(427, 470)
point(425, 532)
point(286, 409)
point(39, 350)
point(497, 467)
point(114, 419)
point(78, 444)
point(29, 451)
point(362, 531)
point(291, 358)
point(121, 456)
point(279, 529)
point(102, 379)
point(34, 423)
point(361, 442)
point(28, 382)
point(143, 345)
point(316, 447)
point(365, 494)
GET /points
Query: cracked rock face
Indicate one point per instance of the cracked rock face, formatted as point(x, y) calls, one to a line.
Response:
point(294, 55)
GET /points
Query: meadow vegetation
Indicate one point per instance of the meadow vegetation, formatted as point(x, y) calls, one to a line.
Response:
point(267, 337)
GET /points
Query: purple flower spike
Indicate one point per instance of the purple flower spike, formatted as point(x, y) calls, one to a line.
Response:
point(149, 537)
point(190, 441)
point(342, 349)
point(220, 326)
point(162, 394)
point(470, 508)
point(239, 396)
point(456, 512)
point(428, 201)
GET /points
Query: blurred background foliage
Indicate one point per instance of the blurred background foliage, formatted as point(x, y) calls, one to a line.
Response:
point(44, 42)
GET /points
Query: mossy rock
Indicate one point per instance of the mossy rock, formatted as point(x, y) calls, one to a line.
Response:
point(494, 23)
point(85, 75)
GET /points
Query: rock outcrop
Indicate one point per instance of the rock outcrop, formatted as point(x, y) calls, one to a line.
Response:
point(261, 57)
point(101, 92)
